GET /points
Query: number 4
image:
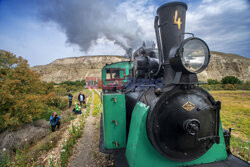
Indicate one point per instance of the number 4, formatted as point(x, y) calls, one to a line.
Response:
point(178, 22)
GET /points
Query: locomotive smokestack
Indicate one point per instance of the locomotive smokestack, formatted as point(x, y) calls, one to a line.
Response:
point(170, 28)
point(172, 25)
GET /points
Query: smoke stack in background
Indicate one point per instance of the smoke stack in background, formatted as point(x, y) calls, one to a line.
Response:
point(171, 25)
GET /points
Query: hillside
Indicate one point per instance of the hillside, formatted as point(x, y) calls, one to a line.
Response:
point(78, 68)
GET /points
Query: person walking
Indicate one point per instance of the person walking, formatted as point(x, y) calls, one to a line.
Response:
point(55, 121)
point(70, 96)
point(81, 99)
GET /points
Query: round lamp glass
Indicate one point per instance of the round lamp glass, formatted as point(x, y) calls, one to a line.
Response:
point(194, 55)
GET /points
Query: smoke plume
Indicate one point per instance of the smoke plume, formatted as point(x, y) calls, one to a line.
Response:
point(85, 21)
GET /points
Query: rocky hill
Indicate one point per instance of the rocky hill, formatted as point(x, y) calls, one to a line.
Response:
point(78, 68)
point(75, 68)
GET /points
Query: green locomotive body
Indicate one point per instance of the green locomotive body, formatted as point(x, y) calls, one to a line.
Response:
point(114, 107)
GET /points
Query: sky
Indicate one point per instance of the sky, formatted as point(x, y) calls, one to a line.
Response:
point(42, 31)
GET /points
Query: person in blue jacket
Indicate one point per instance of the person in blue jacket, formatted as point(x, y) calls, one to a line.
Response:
point(55, 121)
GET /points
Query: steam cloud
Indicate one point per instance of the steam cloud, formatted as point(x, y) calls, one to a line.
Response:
point(85, 21)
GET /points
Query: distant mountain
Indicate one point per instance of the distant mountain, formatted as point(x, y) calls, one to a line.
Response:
point(78, 68)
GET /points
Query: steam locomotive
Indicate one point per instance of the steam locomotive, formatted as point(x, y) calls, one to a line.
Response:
point(154, 112)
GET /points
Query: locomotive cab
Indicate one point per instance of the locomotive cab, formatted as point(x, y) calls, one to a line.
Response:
point(114, 76)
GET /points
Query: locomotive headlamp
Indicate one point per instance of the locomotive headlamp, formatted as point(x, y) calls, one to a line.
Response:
point(191, 57)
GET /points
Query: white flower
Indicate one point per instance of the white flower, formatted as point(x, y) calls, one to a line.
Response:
point(51, 141)
point(65, 140)
point(62, 150)
point(25, 139)
point(51, 156)
point(4, 149)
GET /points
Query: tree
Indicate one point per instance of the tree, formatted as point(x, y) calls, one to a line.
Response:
point(23, 95)
point(230, 80)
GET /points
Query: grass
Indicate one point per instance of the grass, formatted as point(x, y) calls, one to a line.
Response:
point(51, 162)
point(235, 113)
point(27, 156)
point(75, 133)
point(5, 159)
point(97, 105)
point(68, 145)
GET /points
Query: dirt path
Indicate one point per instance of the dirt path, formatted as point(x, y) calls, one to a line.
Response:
point(63, 135)
point(55, 153)
point(86, 152)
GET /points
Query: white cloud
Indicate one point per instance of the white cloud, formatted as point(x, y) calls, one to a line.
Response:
point(223, 24)
point(143, 12)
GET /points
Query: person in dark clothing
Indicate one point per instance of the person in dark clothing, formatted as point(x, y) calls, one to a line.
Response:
point(55, 121)
point(81, 98)
point(70, 96)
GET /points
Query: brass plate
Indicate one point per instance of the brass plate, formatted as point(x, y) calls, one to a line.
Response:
point(188, 106)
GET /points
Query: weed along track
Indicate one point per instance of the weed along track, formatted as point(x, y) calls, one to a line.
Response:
point(86, 151)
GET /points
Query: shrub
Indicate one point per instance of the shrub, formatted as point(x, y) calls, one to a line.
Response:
point(229, 87)
point(47, 112)
point(244, 86)
point(230, 80)
point(212, 81)
point(55, 101)
point(213, 87)
point(5, 159)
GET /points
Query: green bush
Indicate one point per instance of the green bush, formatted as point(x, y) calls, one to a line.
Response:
point(243, 86)
point(212, 81)
point(212, 87)
point(230, 80)
point(56, 101)
point(47, 112)
point(64, 89)
point(229, 87)
point(77, 83)
point(5, 159)
point(227, 83)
